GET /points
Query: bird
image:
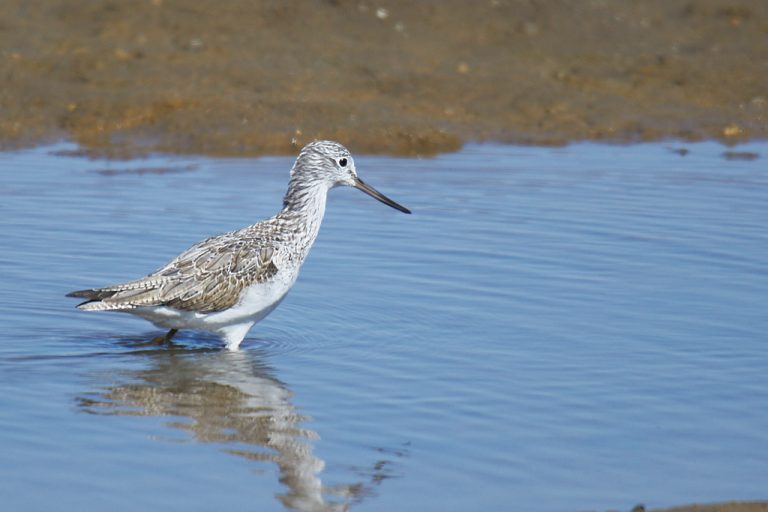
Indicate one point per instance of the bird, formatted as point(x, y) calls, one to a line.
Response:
point(228, 282)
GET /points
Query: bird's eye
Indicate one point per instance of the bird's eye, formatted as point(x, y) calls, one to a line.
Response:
point(343, 162)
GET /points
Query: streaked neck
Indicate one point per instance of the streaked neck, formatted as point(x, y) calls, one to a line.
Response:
point(306, 198)
point(304, 208)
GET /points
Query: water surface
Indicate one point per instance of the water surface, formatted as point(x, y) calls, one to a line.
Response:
point(576, 328)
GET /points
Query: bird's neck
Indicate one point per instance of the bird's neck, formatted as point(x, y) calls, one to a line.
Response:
point(306, 198)
point(304, 203)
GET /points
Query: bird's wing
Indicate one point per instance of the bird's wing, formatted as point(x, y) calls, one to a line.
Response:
point(207, 277)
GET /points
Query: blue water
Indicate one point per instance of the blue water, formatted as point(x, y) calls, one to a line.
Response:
point(553, 329)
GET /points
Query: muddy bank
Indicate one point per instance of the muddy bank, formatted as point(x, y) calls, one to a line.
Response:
point(734, 506)
point(244, 77)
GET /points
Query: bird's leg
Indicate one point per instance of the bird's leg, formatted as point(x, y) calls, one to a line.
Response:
point(167, 338)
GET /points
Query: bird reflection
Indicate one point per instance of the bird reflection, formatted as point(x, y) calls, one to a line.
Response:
point(234, 398)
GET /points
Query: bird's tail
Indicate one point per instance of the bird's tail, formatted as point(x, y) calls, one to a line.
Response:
point(93, 298)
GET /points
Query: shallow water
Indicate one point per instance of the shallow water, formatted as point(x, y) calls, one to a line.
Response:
point(552, 329)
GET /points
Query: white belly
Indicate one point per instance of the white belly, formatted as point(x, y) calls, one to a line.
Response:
point(256, 302)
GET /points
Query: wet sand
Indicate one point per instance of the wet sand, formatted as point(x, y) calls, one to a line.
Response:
point(735, 506)
point(246, 78)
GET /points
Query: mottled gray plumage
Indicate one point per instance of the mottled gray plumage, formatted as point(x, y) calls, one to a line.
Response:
point(207, 277)
point(204, 287)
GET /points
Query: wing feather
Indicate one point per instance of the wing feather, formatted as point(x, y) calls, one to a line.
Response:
point(207, 277)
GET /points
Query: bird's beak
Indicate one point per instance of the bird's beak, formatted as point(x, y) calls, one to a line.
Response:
point(361, 185)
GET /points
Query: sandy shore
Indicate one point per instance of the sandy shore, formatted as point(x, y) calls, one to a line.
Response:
point(734, 506)
point(245, 77)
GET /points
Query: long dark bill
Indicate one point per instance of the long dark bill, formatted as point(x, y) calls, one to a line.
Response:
point(361, 185)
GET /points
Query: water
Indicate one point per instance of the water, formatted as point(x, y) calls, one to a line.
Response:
point(566, 329)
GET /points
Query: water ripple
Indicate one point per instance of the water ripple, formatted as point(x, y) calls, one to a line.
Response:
point(545, 316)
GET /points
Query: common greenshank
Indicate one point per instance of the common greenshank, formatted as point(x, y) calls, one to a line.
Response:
point(228, 282)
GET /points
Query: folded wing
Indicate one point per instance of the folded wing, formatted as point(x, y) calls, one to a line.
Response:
point(208, 277)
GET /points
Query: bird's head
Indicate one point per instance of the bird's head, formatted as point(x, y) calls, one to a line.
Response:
point(331, 164)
